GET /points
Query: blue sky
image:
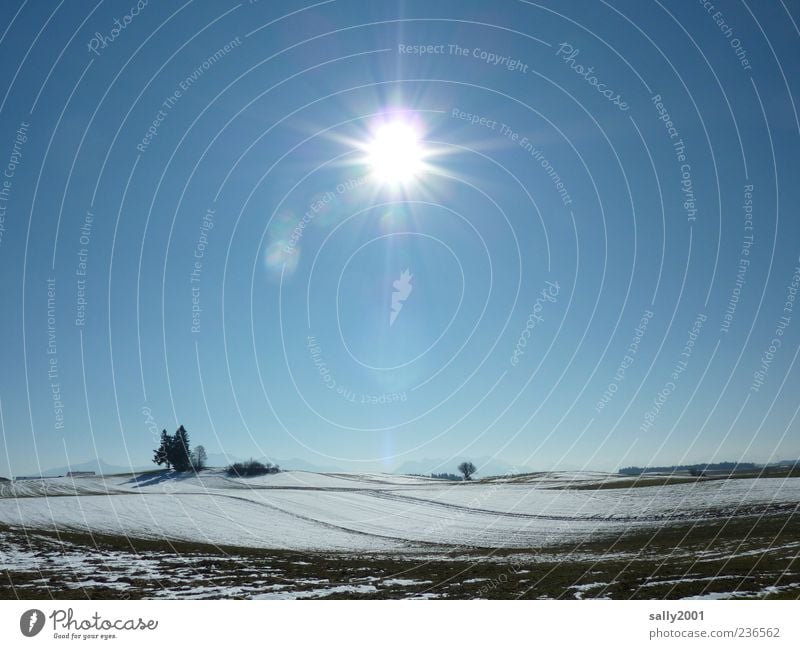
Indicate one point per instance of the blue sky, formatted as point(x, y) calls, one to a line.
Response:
point(194, 191)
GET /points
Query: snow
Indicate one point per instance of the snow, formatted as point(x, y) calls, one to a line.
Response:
point(371, 512)
point(317, 592)
point(406, 582)
point(581, 589)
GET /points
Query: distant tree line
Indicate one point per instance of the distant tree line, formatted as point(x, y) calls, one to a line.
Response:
point(694, 469)
point(176, 453)
point(466, 469)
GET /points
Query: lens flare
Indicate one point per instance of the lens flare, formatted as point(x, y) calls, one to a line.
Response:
point(282, 256)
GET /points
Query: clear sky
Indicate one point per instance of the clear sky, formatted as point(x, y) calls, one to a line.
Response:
point(561, 234)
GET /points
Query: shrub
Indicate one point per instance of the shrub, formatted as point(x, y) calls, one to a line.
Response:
point(251, 468)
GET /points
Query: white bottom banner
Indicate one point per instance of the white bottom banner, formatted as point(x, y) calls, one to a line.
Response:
point(399, 623)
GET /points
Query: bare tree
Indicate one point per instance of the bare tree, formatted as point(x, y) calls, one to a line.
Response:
point(199, 458)
point(467, 469)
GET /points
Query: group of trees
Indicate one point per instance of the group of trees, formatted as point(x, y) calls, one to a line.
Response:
point(175, 452)
point(466, 469)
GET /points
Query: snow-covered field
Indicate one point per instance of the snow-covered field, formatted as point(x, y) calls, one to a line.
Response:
point(379, 513)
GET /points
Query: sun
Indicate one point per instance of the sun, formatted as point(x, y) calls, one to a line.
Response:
point(395, 154)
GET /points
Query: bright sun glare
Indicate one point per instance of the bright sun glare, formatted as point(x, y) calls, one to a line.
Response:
point(395, 155)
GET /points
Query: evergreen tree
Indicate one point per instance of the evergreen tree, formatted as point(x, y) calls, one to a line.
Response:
point(161, 454)
point(179, 452)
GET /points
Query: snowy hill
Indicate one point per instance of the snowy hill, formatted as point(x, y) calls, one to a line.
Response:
point(372, 512)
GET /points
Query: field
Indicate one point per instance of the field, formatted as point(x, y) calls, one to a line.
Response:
point(300, 534)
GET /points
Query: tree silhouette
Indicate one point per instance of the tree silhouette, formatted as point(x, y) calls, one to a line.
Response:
point(467, 469)
point(199, 458)
point(161, 454)
point(179, 451)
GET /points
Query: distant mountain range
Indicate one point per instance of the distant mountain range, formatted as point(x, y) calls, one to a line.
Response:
point(294, 463)
point(100, 466)
point(486, 466)
point(97, 465)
